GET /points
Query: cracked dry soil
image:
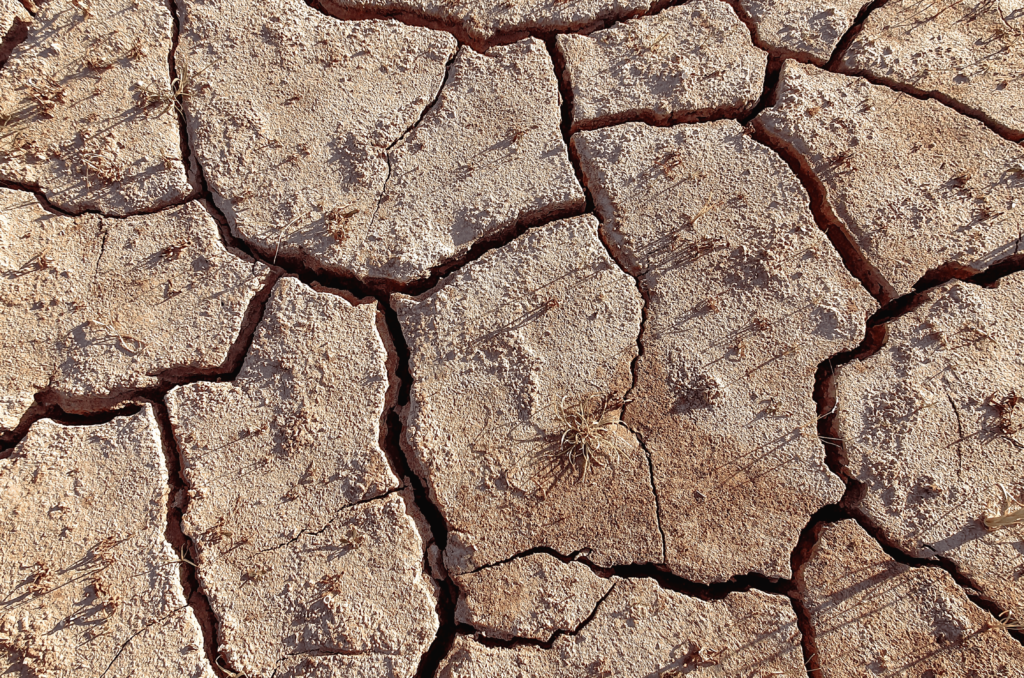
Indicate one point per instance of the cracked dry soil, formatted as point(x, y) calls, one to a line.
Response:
point(438, 338)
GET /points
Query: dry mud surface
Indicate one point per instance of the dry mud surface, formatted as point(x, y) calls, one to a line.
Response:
point(451, 338)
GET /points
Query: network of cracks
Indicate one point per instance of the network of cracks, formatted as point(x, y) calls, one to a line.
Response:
point(564, 338)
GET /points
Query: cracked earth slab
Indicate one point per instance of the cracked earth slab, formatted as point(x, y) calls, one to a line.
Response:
point(90, 586)
point(869, 613)
point(480, 21)
point(807, 30)
point(546, 323)
point(643, 630)
point(931, 429)
point(487, 157)
point(684, 63)
point(333, 166)
point(968, 53)
point(746, 298)
point(293, 140)
point(308, 567)
point(916, 185)
point(95, 307)
point(529, 597)
point(87, 110)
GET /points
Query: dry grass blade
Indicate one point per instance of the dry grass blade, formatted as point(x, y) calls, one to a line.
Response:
point(1005, 517)
point(587, 431)
point(1008, 622)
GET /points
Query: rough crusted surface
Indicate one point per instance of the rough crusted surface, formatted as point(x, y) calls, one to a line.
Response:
point(480, 21)
point(869, 613)
point(746, 298)
point(808, 30)
point(293, 140)
point(283, 464)
point(11, 11)
point(79, 127)
point(90, 585)
point(970, 53)
point(488, 156)
point(96, 307)
point(686, 63)
point(642, 630)
point(916, 184)
point(529, 597)
point(924, 434)
point(494, 349)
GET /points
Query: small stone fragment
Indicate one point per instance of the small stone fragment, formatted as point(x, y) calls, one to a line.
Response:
point(808, 30)
point(283, 463)
point(504, 355)
point(686, 63)
point(87, 108)
point(529, 597)
point(641, 630)
point(919, 188)
point(968, 53)
point(481, 21)
point(95, 307)
point(746, 297)
point(90, 585)
point(488, 156)
point(932, 426)
point(870, 613)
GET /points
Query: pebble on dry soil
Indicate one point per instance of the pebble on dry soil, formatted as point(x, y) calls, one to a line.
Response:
point(686, 63)
point(529, 597)
point(932, 428)
point(968, 53)
point(808, 30)
point(496, 349)
point(643, 630)
point(482, 21)
point(86, 108)
point(869, 613)
point(746, 298)
point(915, 184)
point(90, 585)
point(300, 552)
point(95, 307)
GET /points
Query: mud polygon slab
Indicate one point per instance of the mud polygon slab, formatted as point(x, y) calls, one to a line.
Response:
point(685, 63)
point(642, 630)
point(746, 297)
point(496, 349)
point(931, 429)
point(87, 110)
point(529, 597)
point(869, 612)
point(299, 552)
point(96, 307)
point(804, 30)
point(486, 158)
point(916, 185)
point(90, 585)
point(293, 136)
point(968, 54)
